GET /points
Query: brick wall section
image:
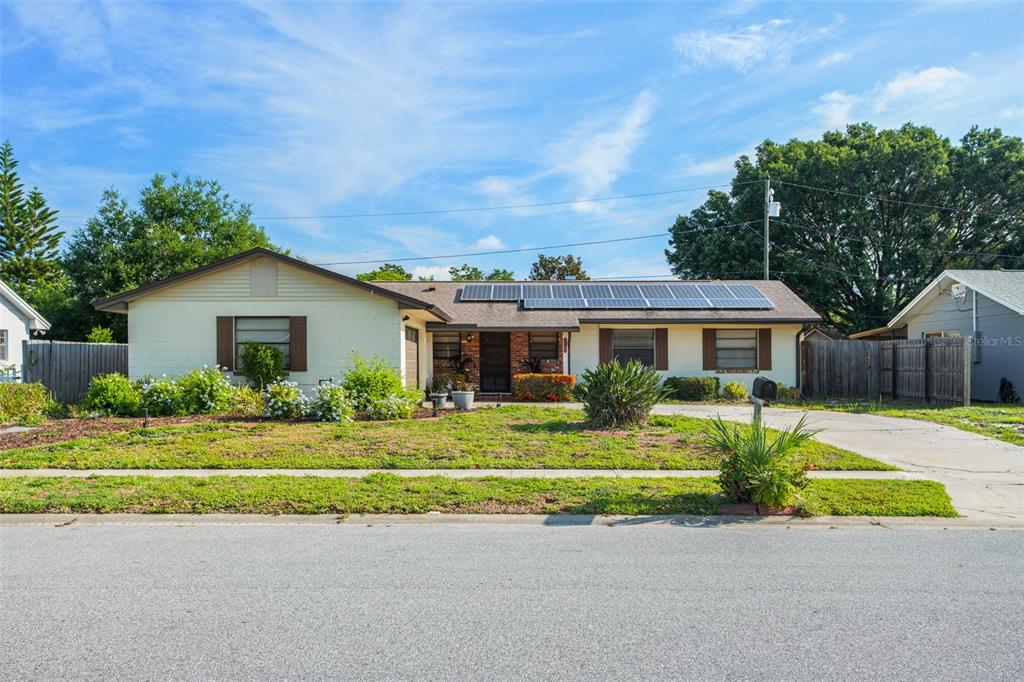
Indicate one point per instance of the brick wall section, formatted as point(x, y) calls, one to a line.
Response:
point(521, 351)
point(472, 349)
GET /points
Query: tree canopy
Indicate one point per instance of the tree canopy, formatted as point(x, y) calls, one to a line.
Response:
point(869, 217)
point(467, 272)
point(387, 272)
point(557, 267)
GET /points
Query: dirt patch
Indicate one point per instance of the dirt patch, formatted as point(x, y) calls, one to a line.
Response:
point(59, 430)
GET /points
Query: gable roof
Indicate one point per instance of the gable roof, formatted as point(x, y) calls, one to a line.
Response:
point(1005, 287)
point(118, 303)
point(509, 315)
point(36, 322)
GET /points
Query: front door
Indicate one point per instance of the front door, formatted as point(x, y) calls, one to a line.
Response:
point(495, 375)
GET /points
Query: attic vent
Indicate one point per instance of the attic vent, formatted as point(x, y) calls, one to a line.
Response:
point(263, 277)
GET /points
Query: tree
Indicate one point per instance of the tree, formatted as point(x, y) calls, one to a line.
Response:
point(179, 225)
point(387, 272)
point(29, 237)
point(100, 335)
point(558, 267)
point(869, 217)
point(467, 272)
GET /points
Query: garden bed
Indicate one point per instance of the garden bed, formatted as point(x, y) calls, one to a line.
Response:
point(511, 437)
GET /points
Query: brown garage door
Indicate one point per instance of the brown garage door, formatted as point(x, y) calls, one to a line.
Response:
point(412, 356)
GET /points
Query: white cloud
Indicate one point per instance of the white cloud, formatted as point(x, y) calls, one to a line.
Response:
point(937, 80)
point(834, 108)
point(1012, 113)
point(438, 272)
point(834, 58)
point(716, 166)
point(769, 45)
point(489, 243)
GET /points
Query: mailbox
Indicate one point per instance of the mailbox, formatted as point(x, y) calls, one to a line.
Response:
point(765, 389)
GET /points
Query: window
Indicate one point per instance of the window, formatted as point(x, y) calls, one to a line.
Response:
point(446, 345)
point(3, 345)
point(633, 344)
point(544, 345)
point(270, 331)
point(736, 349)
point(941, 335)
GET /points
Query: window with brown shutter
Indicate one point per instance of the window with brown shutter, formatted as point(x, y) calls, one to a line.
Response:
point(298, 343)
point(605, 346)
point(661, 348)
point(709, 348)
point(764, 348)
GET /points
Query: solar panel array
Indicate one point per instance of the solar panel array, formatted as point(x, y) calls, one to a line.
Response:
point(572, 295)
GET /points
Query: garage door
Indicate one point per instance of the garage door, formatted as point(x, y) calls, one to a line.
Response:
point(412, 356)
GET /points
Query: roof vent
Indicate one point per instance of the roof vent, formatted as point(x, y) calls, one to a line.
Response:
point(431, 288)
point(570, 277)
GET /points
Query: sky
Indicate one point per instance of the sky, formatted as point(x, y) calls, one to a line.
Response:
point(306, 110)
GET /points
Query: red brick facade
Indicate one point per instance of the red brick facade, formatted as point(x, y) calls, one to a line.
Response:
point(519, 350)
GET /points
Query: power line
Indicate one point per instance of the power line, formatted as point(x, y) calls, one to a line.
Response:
point(524, 249)
point(891, 201)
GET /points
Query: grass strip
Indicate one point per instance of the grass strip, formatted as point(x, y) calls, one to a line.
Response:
point(388, 493)
point(512, 437)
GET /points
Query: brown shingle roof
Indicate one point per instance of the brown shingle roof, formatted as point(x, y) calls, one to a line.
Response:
point(509, 315)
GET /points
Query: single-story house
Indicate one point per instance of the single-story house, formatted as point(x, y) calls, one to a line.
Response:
point(18, 322)
point(734, 330)
point(815, 334)
point(987, 305)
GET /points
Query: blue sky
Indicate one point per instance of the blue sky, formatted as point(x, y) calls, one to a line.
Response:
point(308, 109)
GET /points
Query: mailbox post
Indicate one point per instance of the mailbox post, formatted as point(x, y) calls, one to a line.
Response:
point(763, 392)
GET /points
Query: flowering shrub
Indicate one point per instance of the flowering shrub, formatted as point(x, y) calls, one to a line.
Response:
point(543, 387)
point(162, 397)
point(400, 404)
point(205, 390)
point(112, 394)
point(330, 404)
point(735, 390)
point(284, 400)
point(369, 381)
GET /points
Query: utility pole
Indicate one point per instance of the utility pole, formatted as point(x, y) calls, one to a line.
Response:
point(767, 223)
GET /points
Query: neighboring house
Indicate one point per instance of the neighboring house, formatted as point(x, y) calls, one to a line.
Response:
point(18, 322)
point(881, 334)
point(985, 304)
point(735, 330)
point(822, 334)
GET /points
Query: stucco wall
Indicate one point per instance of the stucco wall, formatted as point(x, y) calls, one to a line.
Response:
point(17, 331)
point(174, 330)
point(685, 351)
point(1001, 350)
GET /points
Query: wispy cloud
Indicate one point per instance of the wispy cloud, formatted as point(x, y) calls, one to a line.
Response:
point(834, 108)
point(834, 58)
point(767, 45)
point(489, 243)
point(935, 80)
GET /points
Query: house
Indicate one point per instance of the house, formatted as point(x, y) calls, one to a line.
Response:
point(18, 322)
point(881, 334)
point(822, 334)
point(735, 330)
point(987, 305)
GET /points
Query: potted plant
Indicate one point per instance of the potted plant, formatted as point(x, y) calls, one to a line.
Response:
point(440, 384)
point(462, 392)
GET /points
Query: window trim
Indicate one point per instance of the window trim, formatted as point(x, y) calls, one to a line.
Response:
point(650, 330)
point(5, 342)
point(554, 346)
point(445, 358)
point(943, 334)
point(757, 352)
point(237, 343)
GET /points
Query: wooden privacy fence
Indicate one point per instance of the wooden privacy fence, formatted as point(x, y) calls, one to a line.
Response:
point(926, 370)
point(66, 367)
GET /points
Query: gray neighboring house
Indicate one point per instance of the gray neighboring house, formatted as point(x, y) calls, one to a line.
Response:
point(985, 304)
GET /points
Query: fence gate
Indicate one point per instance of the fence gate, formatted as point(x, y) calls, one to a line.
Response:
point(925, 370)
point(66, 367)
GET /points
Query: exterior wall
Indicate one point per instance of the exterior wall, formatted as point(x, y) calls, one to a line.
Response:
point(1000, 352)
point(685, 351)
point(174, 330)
point(17, 331)
point(519, 351)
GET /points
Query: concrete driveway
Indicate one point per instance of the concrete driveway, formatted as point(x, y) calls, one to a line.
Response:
point(985, 477)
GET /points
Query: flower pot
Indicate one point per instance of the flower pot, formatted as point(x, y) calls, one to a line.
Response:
point(439, 399)
point(463, 400)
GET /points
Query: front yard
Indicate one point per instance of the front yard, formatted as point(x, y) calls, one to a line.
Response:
point(512, 437)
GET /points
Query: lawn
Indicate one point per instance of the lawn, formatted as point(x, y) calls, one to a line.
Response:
point(388, 493)
point(1003, 422)
point(512, 437)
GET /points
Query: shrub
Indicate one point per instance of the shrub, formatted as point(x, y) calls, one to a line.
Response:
point(735, 390)
point(398, 405)
point(330, 404)
point(460, 383)
point(284, 400)
point(162, 397)
point(114, 395)
point(368, 381)
point(262, 364)
point(757, 468)
point(616, 395)
point(693, 388)
point(100, 335)
point(552, 387)
point(246, 401)
point(205, 390)
point(23, 402)
point(441, 383)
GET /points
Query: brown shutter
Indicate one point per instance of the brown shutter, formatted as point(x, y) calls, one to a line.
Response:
point(226, 342)
point(764, 348)
point(661, 348)
point(605, 346)
point(297, 343)
point(709, 349)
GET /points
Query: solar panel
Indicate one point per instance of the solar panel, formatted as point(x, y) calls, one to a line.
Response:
point(691, 303)
point(616, 303)
point(547, 303)
point(655, 291)
point(687, 291)
point(595, 290)
point(507, 292)
point(625, 291)
point(477, 292)
point(536, 291)
point(566, 291)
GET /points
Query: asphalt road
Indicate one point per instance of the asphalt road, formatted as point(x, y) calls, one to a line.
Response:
point(509, 602)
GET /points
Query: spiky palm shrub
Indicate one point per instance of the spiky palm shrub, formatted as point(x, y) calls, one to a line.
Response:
point(615, 395)
point(757, 467)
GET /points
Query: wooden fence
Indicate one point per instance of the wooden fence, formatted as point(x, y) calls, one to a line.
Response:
point(65, 367)
point(926, 370)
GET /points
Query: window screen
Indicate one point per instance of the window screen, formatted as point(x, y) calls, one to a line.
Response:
point(4, 353)
point(736, 349)
point(446, 345)
point(270, 331)
point(544, 345)
point(633, 344)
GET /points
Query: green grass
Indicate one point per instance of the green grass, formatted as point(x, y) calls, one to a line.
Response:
point(388, 493)
point(513, 437)
point(1002, 422)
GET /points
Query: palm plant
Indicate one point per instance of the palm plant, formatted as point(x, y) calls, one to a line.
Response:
point(615, 395)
